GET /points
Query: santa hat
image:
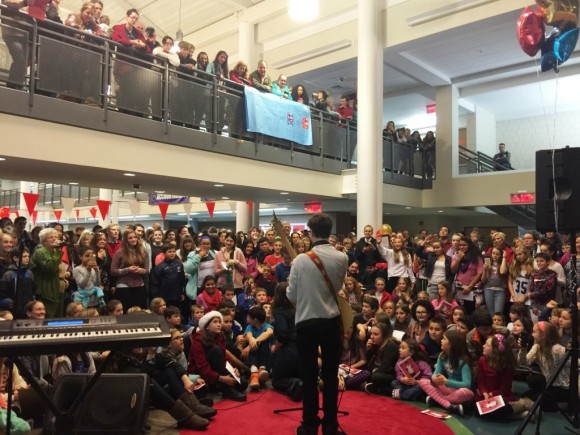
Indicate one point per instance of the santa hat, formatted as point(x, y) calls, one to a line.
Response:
point(208, 317)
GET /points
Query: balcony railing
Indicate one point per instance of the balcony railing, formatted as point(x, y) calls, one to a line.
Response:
point(98, 76)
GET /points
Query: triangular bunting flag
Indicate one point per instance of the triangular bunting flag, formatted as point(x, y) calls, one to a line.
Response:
point(57, 214)
point(77, 213)
point(93, 211)
point(68, 204)
point(134, 206)
point(34, 215)
point(30, 199)
point(250, 205)
point(210, 208)
point(17, 213)
point(4, 212)
point(103, 205)
point(163, 206)
point(187, 207)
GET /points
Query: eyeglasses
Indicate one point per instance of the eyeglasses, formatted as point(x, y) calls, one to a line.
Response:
point(420, 312)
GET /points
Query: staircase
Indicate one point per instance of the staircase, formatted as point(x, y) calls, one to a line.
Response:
point(521, 215)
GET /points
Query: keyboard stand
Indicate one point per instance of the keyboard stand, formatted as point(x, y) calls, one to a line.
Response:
point(63, 419)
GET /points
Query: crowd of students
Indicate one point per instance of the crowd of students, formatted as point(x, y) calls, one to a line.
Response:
point(472, 318)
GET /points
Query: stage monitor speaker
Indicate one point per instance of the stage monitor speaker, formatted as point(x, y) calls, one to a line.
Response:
point(117, 403)
point(558, 177)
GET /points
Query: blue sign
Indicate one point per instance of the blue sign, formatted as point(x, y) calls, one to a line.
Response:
point(162, 198)
point(277, 117)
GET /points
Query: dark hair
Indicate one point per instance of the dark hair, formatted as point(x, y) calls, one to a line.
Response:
point(257, 313)
point(305, 98)
point(457, 349)
point(545, 256)
point(19, 218)
point(439, 321)
point(110, 307)
point(131, 11)
point(520, 309)
point(502, 359)
point(466, 320)
point(280, 299)
point(82, 249)
point(417, 353)
point(482, 317)
point(170, 311)
point(149, 31)
point(167, 38)
point(221, 69)
point(206, 279)
point(166, 247)
point(371, 301)
point(386, 331)
point(229, 288)
point(321, 225)
point(425, 304)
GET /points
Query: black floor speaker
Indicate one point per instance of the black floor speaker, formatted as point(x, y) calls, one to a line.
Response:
point(117, 403)
point(558, 190)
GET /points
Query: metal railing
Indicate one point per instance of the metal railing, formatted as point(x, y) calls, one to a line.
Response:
point(471, 162)
point(63, 63)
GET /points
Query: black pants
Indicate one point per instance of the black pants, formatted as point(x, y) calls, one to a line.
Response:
point(168, 376)
point(554, 395)
point(217, 362)
point(286, 369)
point(132, 296)
point(324, 333)
point(18, 48)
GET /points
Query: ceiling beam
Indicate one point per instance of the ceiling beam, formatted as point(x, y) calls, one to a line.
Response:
point(240, 4)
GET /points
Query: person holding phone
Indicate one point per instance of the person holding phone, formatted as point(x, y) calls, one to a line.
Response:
point(494, 280)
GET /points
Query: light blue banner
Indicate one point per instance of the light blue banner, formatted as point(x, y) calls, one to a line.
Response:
point(277, 117)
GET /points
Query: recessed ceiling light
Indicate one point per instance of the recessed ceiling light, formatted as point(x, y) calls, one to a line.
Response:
point(439, 211)
point(408, 208)
point(160, 191)
point(129, 174)
point(2, 159)
point(225, 197)
point(218, 185)
point(73, 183)
point(284, 193)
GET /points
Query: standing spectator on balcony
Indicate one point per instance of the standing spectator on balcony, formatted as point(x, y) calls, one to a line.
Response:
point(150, 37)
point(501, 161)
point(52, 12)
point(428, 148)
point(281, 88)
point(98, 7)
point(164, 51)
point(344, 110)
point(320, 100)
point(239, 74)
point(219, 68)
point(260, 78)
point(130, 94)
point(390, 131)
point(186, 61)
point(87, 20)
point(16, 40)
point(300, 95)
point(202, 99)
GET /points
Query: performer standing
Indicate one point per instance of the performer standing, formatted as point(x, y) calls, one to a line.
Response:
point(318, 323)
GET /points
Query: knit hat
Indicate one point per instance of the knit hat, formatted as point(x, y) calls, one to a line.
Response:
point(208, 317)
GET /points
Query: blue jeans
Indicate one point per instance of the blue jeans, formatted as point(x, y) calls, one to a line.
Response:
point(495, 300)
point(407, 392)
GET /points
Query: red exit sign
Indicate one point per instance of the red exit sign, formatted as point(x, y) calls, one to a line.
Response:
point(431, 108)
point(523, 198)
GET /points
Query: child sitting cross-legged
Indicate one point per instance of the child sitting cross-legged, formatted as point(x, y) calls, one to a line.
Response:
point(406, 386)
point(257, 352)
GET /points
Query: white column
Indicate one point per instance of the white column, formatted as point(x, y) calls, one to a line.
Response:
point(246, 44)
point(447, 156)
point(243, 216)
point(369, 143)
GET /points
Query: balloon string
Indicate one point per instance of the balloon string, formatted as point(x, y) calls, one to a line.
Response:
point(551, 142)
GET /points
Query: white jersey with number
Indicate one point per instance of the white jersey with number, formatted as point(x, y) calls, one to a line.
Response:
point(521, 284)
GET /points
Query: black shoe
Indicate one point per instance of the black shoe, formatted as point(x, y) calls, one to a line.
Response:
point(306, 430)
point(233, 394)
point(297, 392)
point(456, 409)
point(206, 401)
point(371, 388)
point(429, 401)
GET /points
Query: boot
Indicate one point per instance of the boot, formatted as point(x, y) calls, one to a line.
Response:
point(186, 418)
point(519, 406)
point(192, 403)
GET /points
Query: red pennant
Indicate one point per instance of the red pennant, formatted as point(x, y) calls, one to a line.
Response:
point(250, 205)
point(30, 199)
point(93, 211)
point(4, 212)
point(57, 214)
point(77, 212)
point(163, 206)
point(210, 208)
point(34, 215)
point(103, 205)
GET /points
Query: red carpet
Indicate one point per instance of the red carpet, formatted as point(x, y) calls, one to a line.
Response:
point(369, 414)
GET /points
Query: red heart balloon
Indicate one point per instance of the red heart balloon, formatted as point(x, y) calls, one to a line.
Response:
point(530, 31)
